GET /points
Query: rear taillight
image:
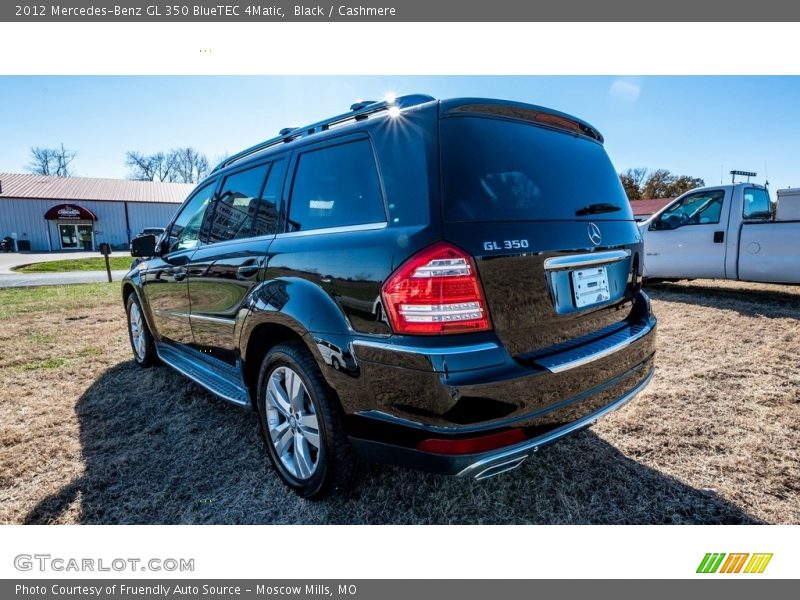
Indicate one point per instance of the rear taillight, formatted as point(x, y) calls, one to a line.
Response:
point(436, 291)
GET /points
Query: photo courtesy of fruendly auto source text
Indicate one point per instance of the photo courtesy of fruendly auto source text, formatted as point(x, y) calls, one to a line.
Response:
point(278, 267)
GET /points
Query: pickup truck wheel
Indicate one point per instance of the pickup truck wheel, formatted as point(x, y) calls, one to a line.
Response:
point(144, 349)
point(302, 424)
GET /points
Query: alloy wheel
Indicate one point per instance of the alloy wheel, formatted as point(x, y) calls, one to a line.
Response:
point(137, 331)
point(292, 423)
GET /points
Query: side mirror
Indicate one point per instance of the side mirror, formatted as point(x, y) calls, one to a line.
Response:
point(144, 246)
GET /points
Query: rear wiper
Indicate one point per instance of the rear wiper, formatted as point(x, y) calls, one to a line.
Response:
point(597, 209)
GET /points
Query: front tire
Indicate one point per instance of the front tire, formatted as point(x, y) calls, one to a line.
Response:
point(302, 424)
point(142, 344)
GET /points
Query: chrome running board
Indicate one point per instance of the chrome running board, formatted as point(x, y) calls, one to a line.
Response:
point(219, 378)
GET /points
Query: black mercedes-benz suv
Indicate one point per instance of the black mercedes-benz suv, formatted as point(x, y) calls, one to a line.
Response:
point(448, 285)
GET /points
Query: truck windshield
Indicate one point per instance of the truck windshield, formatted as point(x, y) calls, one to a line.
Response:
point(500, 170)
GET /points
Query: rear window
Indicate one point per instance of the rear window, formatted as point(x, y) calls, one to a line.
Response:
point(756, 204)
point(496, 170)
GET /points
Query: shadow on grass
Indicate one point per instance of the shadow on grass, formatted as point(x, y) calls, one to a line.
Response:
point(159, 450)
point(745, 301)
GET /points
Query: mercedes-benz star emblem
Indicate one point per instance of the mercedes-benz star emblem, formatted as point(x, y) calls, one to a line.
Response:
point(594, 234)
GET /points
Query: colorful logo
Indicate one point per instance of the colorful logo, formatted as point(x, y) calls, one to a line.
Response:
point(734, 563)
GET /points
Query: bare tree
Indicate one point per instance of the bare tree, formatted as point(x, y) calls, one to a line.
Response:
point(51, 161)
point(185, 165)
point(150, 167)
point(41, 161)
point(190, 165)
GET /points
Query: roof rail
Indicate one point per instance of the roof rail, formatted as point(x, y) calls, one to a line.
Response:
point(359, 111)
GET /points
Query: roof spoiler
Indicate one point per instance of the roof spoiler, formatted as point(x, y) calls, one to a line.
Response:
point(538, 115)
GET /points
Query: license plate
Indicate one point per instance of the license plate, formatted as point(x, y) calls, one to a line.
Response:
point(590, 286)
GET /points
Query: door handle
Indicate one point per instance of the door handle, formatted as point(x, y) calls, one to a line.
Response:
point(719, 237)
point(247, 271)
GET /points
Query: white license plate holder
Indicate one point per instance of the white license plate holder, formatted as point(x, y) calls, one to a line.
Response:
point(590, 286)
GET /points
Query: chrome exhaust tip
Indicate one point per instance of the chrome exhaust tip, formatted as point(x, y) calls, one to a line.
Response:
point(503, 467)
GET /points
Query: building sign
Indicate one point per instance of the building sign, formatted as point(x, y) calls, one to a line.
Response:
point(69, 212)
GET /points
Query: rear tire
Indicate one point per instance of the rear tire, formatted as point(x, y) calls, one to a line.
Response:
point(142, 343)
point(302, 424)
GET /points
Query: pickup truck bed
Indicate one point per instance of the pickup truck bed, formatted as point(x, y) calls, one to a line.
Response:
point(769, 252)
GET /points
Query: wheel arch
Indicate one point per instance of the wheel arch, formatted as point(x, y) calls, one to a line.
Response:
point(261, 338)
point(282, 309)
point(127, 289)
point(130, 286)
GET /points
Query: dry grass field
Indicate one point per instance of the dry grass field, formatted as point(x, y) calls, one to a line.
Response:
point(88, 437)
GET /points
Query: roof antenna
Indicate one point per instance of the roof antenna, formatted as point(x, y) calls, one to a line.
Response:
point(766, 176)
point(720, 174)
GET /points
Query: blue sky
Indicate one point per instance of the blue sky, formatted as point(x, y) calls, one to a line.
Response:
point(698, 126)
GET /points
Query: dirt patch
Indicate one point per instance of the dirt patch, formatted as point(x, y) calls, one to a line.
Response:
point(88, 437)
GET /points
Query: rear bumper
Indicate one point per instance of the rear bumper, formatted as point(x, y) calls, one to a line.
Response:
point(477, 385)
point(487, 464)
point(494, 462)
point(402, 401)
point(500, 461)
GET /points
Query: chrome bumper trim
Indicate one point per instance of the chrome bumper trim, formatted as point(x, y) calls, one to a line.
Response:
point(577, 261)
point(552, 364)
point(210, 319)
point(429, 351)
point(514, 456)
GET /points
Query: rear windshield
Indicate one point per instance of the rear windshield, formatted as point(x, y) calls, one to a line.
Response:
point(496, 170)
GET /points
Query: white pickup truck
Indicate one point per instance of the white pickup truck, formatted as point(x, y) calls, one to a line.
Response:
point(725, 232)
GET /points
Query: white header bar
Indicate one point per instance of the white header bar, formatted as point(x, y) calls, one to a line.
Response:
point(398, 48)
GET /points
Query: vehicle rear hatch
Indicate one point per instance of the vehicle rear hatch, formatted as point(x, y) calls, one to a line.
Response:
point(533, 196)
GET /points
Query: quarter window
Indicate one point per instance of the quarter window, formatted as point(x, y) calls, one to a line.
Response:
point(265, 221)
point(756, 204)
point(697, 209)
point(336, 186)
point(185, 230)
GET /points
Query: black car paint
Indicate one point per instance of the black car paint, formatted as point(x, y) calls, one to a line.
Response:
point(232, 299)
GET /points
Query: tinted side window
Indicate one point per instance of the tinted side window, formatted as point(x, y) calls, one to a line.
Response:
point(265, 221)
point(236, 207)
point(756, 204)
point(185, 231)
point(336, 186)
point(696, 209)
